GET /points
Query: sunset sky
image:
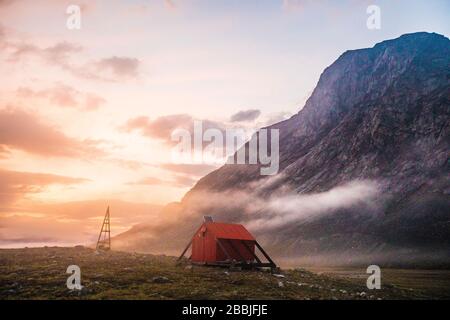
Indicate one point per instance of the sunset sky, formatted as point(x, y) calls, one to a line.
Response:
point(86, 115)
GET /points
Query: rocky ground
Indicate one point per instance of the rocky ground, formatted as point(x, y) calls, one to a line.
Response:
point(40, 273)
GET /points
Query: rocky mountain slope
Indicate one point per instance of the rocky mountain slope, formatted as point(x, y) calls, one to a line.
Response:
point(364, 168)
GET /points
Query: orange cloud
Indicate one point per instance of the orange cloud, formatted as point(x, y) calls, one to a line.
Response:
point(64, 96)
point(122, 67)
point(162, 127)
point(184, 181)
point(6, 2)
point(24, 131)
point(61, 55)
point(181, 181)
point(14, 184)
point(245, 115)
point(187, 168)
point(170, 4)
point(57, 54)
point(149, 181)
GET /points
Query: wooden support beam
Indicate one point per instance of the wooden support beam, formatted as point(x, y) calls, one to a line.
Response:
point(265, 254)
point(223, 249)
point(250, 251)
point(236, 250)
point(184, 251)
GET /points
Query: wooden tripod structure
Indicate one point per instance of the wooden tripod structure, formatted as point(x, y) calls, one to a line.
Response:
point(104, 238)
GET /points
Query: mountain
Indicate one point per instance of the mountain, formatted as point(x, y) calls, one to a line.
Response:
point(364, 168)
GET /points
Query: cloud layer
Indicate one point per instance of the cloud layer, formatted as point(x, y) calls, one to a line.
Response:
point(14, 185)
point(64, 96)
point(24, 131)
point(245, 115)
point(63, 55)
point(261, 212)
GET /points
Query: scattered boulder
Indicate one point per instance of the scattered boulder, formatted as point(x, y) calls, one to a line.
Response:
point(237, 282)
point(84, 291)
point(160, 279)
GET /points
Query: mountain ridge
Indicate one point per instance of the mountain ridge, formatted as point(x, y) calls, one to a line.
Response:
point(379, 116)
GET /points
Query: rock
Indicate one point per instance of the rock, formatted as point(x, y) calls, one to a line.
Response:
point(280, 284)
point(188, 267)
point(362, 294)
point(279, 275)
point(237, 282)
point(84, 291)
point(160, 279)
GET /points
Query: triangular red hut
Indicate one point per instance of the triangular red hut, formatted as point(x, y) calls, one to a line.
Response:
point(217, 243)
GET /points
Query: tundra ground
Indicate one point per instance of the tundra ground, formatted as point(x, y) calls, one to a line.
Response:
point(40, 273)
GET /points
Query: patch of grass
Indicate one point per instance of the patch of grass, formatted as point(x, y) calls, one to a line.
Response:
point(40, 273)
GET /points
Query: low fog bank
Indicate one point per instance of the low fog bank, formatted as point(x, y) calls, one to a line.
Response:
point(261, 211)
point(394, 258)
point(351, 224)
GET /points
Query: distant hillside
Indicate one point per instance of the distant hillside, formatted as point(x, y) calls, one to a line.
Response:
point(364, 168)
